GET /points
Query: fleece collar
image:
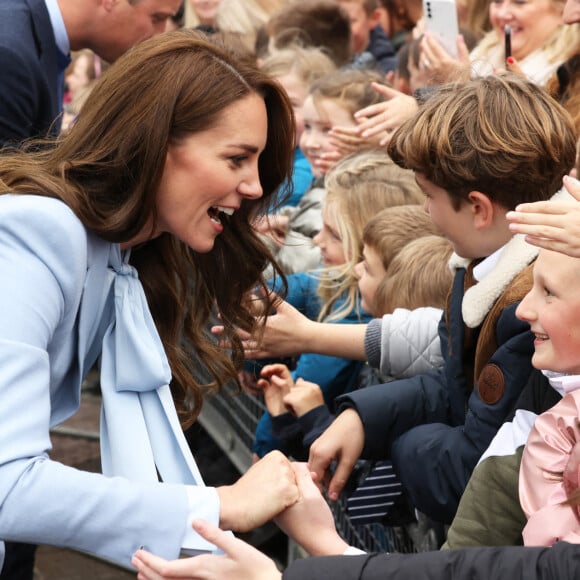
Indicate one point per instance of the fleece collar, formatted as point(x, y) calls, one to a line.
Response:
point(516, 255)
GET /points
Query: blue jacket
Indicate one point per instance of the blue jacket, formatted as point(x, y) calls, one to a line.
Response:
point(301, 180)
point(54, 297)
point(334, 375)
point(434, 427)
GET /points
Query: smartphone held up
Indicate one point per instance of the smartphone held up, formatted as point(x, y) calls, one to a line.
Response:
point(441, 21)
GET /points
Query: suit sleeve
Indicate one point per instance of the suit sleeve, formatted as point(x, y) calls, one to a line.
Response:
point(516, 563)
point(19, 98)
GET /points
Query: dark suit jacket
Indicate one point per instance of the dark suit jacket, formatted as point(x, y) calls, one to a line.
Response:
point(28, 71)
point(562, 562)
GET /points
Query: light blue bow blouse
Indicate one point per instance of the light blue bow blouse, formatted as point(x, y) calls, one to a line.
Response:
point(66, 295)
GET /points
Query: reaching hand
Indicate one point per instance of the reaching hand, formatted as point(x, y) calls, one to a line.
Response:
point(303, 397)
point(343, 441)
point(276, 383)
point(285, 334)
point(273, 225)
point(265, 490)
point(386, 116)
point(309, 521)
point(553, 225)
point(240, 561)
point(349, 140)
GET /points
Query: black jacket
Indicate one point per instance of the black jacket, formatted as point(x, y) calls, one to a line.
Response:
point(561, 562)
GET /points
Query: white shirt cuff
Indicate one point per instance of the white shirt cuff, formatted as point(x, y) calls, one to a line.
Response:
point(203, 503)
point(352, 551)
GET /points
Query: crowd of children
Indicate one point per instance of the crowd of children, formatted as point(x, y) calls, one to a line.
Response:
point(424, 332)
point(455, 428)
point(469, 374)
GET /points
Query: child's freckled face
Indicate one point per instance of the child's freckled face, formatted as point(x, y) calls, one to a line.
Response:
point(370, 273)
point(320, 117)
point(552, 308)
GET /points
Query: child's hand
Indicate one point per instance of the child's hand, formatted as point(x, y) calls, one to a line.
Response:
point(386, 116)
point(286, 333)
point(275, 382)
point(303, 397)
point(328, 160)
point(348, 139)
point(275, 226)
point(553, 225)
point(310, 521)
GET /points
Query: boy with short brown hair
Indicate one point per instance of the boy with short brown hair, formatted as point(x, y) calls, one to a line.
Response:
point(478, 149)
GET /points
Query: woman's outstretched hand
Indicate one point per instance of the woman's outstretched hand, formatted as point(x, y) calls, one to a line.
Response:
point(265, 490)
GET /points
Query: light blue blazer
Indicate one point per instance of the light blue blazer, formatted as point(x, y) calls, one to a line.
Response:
point(55, 308)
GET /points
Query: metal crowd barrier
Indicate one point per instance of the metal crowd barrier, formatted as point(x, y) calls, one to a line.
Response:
point(231, 419)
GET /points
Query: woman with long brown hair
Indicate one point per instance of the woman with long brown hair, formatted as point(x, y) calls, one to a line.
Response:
point(117, 243)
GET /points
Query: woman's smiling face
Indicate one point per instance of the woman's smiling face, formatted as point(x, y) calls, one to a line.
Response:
point(532, 22)
point(210, 173)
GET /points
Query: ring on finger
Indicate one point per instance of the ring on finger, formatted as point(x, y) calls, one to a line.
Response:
point(426, 63)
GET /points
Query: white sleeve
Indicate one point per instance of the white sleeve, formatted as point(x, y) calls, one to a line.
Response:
point(205, 508)
point(410, 342)
point(352, 551)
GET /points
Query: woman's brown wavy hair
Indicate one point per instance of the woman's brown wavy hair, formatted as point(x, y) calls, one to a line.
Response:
point(108, 168)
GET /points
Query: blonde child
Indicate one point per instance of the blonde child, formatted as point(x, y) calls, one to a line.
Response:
point(418, 276)
point(358, 188)
point(296, 68)
point(404, 262)
point(402, 251)
point(332, 101)
point(402, 271)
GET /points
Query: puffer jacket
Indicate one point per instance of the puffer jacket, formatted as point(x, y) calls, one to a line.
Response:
point(405, 343)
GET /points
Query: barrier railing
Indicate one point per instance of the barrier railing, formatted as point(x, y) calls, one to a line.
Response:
point(231, 419)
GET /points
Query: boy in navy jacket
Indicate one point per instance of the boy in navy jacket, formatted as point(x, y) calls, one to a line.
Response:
point(478, 149)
